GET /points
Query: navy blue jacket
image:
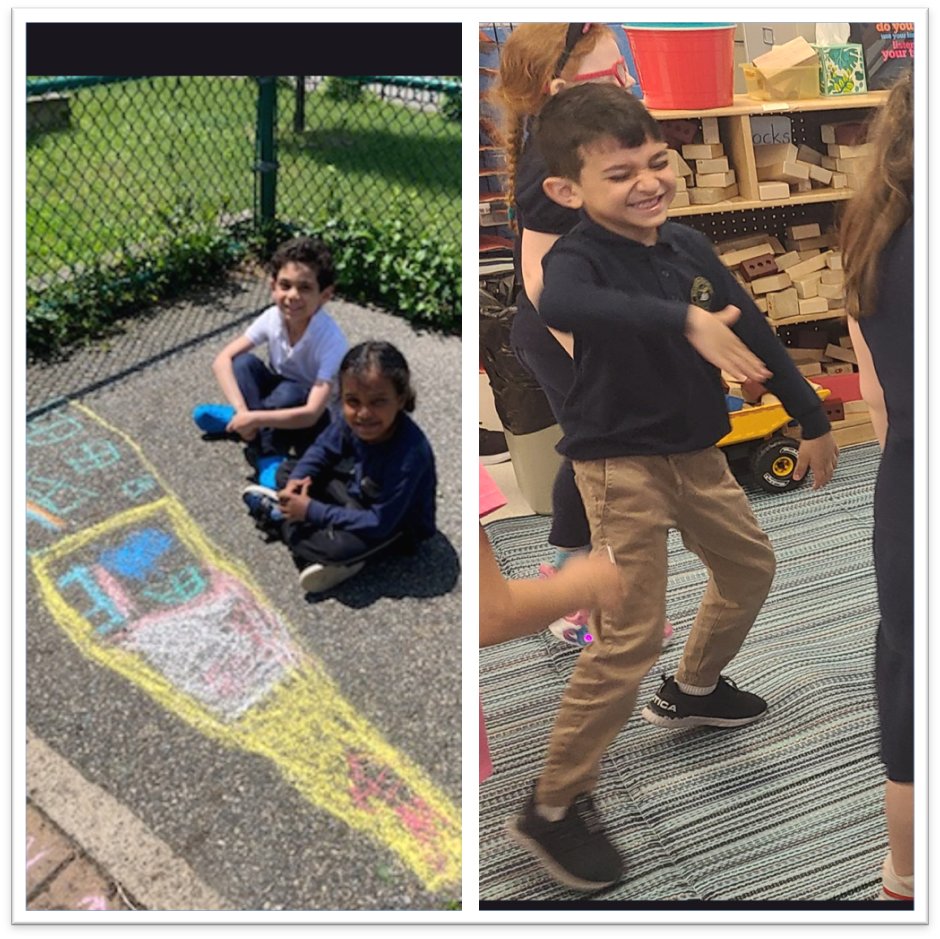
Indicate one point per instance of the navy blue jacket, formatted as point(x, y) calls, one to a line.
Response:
point(395, 481)
point(640, 387)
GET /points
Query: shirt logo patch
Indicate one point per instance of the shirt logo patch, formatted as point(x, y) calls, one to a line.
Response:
point(702, 292)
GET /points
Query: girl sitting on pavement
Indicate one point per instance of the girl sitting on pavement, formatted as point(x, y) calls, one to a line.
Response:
point(367, 484)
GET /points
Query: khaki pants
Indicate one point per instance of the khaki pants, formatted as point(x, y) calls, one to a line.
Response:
point(631, 503)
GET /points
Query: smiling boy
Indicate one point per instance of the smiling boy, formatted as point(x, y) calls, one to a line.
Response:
point(284, 407)
point(655, 316)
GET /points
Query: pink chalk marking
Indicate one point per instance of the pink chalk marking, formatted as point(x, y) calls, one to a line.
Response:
point(30, 861)
point(113, 591)
point(93, 902)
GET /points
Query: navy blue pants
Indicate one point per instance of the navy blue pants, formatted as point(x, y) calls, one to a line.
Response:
point(541, 353)
point(264, 390)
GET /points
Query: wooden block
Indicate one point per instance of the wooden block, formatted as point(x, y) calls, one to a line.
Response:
point(806, 289)
point(802, 356)
point(702, 151)
point(773, 189)
point(830, 239)
point(718, 165)
point(834, 261)
point(681, 184)
point(762, 266)
point(785, 261)
point(830, 276)
point(790, 171)
point(809, 253)
point(834, 409)
point(715, 179)
point(783, 303)
point(850, 151)
point(837, 303)
point(748, 241)
point(767, 154)
point(808, 155)
point(680, 200)
point(803, 185)
point(837, 368)
point(761, 304)
point(855, 407)
point(842, 132)
point(829, 162)
point(708, 195)
point(710, 130)
point(854, 181)
point(734, 258)
point(814, 305)
point(841, 354)
point(816, 263)
point(838, 181)
point(831, 291)
point(679, 166)
point(752, 391)
point(857, 165)
point(863, 433)
point(808, 368)
point(846, 342)
point(804, 231)
point(819, 174)
point(774, 282)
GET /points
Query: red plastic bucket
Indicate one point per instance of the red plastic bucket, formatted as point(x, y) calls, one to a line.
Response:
point(684, 66)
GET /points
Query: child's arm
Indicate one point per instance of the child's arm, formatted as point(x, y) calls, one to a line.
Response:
point(248, 423)
point(872, 393)
point(535, 245)
point(513, 608)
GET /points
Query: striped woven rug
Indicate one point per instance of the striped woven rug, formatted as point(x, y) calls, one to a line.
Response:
point(786, 809)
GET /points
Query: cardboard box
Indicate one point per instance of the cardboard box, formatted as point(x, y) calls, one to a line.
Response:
point(841, 69)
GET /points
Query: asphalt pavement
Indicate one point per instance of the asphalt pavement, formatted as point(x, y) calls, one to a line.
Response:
point(321, 771)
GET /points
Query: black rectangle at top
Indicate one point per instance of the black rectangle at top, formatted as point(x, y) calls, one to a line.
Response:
point(243, 49)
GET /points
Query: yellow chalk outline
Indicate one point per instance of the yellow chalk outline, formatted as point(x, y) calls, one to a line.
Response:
point(303, 725)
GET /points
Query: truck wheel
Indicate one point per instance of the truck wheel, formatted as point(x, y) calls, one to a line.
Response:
point(773, 463)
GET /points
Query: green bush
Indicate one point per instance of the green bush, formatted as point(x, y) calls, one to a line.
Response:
point(452, 108)
point(343, 89)
point(87, 303)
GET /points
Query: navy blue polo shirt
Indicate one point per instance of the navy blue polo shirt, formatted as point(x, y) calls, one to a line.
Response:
point(640, 387)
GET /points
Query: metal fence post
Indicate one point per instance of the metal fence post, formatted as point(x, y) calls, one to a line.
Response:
point(265, 152)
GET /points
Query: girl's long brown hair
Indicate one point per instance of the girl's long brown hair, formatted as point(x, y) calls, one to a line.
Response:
point(526, 67)
point(885, 201)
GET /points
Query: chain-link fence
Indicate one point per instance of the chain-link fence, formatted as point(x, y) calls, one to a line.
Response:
point(154, 181)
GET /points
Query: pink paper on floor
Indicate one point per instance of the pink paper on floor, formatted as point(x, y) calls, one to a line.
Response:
point(491, 498)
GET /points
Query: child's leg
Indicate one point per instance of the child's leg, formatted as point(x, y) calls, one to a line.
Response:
point(717, 524)
point(570, 530)
point(630, 506)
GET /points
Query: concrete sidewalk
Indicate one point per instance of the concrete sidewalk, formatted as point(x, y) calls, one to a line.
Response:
point(241, 814)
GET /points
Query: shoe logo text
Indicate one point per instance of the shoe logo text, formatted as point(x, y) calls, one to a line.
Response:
point(665, 705)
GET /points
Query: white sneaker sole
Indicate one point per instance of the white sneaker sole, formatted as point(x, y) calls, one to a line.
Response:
point(320, 577)
point(557, 872)
point(260, 491)
point(652, 717)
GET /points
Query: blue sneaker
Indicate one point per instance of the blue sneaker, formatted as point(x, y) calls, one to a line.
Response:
point(267, 471)
point(262, 504)
point(213, 418)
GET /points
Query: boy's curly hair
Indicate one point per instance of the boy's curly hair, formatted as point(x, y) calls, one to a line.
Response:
point(304, 250)
point(580, 115)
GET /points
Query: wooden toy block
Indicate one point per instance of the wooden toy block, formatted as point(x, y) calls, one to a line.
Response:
point(810, 368)
point(855, 407)
point(785, 261)
point(804, 185)
point(808, 155)
point(783, 303)
point(837, 368)
point(841, 354)
point(848, 133)
point(849, 151)
point(807, 288)
point(708, 195)
point(846, 342)
point(734, 258)
point(834, 261)
point(802, 356)
point(831, 291)
point(830, 239)
point(761, 304)
point(834, 409)
point(768, 284)
point(715, 179)
point(718, 165)
point(854, 181)
point(857, 165)
point(790, 171)
point(773, 189)
point(804, 231)
point(837, 303)
point(808, 253)
point(752, 391)
point(710, 130)
point(768, 399)
point(702, 151)
point(761, 266)
point(748, 241)
point(767, 154)
point(680, 200)
point(816, 263)
point(819, 174)
point(838, 181)
point(829, 163)
point(679, 166)
point(813, 305)
point(681, 184)
point(830, 276)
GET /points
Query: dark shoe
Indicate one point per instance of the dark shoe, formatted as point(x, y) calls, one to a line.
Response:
point(263, 506)
point(574, 850)
point(726, 706)
point(493, 447)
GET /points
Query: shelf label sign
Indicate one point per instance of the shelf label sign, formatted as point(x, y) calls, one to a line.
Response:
point(771, 128)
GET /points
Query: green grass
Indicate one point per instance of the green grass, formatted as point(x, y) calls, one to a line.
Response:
point(140, 153)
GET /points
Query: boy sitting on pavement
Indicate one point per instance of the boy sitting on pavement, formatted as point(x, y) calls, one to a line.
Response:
point(655, 317)
point(284, 407)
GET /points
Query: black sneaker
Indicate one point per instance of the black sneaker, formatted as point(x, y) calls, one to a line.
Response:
point(574, 850)
point(726, 706)
point(493, 447)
